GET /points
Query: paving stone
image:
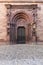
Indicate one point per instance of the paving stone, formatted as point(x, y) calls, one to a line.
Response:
point(21, 54)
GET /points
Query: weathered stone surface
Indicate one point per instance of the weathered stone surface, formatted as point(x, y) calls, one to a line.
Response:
point(4, 20)
point(21, 0)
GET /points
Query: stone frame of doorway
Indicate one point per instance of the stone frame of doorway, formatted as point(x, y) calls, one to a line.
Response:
point(33, 7)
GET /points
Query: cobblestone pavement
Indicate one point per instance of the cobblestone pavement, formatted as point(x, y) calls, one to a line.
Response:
point(21, 54)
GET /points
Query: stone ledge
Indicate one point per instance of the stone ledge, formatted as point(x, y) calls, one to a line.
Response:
point(22, 1)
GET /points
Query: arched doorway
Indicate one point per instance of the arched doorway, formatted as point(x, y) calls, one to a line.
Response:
point(21, 35)
point(19, 28)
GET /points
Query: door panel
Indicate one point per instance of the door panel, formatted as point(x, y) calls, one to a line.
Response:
point(21, 35)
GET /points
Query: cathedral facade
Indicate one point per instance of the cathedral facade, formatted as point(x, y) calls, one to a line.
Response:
point(21, 22)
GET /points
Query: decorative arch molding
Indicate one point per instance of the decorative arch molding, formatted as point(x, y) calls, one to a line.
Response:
point(21, 15)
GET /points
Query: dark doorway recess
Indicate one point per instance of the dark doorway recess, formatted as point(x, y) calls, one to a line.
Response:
point(21, 35)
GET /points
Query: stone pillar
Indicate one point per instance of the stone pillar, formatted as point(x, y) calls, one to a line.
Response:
point(8, 6)
point(34, 25)
point(29, 33)
point(12, 33)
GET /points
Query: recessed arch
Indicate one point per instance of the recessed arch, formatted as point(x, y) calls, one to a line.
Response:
point(20, 15)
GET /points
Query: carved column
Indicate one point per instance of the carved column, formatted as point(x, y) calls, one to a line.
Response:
point(10, 25)
point(29, 32)
point(34, 25)
point(12, 33)
point(8, 6)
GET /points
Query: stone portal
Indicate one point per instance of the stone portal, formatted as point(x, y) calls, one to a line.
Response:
point(21, 19)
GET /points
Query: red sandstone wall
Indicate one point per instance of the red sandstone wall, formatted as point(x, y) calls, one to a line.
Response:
point(3, 22)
